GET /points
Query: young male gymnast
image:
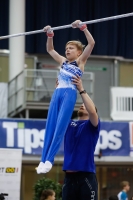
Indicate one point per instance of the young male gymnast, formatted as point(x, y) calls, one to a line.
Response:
point(65, 95)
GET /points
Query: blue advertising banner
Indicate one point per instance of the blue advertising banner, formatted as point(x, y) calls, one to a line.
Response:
point(116, 138)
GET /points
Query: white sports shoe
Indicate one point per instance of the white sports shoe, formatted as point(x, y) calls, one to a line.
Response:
point(39, 167)
point(46, 167)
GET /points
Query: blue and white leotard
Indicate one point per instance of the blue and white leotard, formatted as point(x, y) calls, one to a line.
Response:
point(60, 110)
point(66, 73)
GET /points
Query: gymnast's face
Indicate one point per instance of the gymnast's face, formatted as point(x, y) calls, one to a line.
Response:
point(72, 53)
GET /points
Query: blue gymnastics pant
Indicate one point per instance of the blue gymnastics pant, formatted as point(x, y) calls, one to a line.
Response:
point(59, 115)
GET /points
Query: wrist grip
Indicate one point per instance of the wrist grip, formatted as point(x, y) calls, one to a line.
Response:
point(83, 27)
point(50, 34)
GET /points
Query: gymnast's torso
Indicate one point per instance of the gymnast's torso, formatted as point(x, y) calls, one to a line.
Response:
point(67, 71)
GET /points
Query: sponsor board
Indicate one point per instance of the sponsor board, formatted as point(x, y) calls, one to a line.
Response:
point(9, 170)
point(116, 138)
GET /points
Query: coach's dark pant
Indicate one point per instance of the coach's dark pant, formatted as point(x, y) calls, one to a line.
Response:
point(80, 186)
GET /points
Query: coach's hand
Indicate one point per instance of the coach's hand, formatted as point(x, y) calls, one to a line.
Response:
point(78, 82)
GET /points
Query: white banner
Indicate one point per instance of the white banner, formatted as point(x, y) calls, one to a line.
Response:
point(10, 173)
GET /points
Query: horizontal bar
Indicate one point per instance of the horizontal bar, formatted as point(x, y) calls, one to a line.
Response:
point(68, 26)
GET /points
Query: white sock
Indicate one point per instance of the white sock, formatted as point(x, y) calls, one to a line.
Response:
point(46, 167)
point(39, 167)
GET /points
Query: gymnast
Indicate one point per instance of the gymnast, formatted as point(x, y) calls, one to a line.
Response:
point(65, 95)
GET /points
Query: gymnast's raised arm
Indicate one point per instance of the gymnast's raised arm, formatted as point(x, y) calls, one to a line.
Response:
point(50, 47)
point(88, 49)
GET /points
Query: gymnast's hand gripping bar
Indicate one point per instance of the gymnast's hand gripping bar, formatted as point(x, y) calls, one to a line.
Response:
point(68, 26)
